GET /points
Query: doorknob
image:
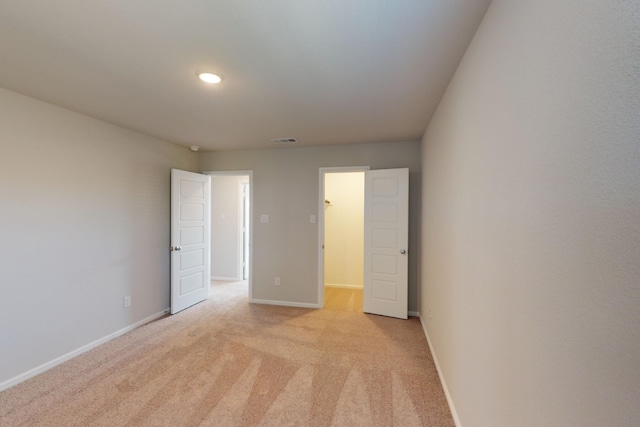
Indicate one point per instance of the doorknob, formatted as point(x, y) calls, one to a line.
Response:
point(402, 251)
point(175, 248)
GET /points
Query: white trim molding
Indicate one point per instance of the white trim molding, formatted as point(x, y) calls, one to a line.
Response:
point(343, 286)
point(452, 408)
point(226, 279)
point(55, 362)
point(284, 303)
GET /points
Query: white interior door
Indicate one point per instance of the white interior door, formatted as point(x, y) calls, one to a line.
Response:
point(386, 238)
point(190, 238)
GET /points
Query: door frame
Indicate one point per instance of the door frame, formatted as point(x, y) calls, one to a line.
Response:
point(321, 207)
point(248, 173)
point(244, 216)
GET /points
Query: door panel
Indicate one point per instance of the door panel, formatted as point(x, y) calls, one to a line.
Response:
point(384, 264)
point(191, 235)
point(384, 290)
point(190, 238)
point(191, 259)
point(386, 241)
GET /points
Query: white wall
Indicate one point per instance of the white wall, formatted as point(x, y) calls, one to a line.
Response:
point(225, 226)
point(84, 221)
point(286, 187)
point(531, 218)
point(344, 229)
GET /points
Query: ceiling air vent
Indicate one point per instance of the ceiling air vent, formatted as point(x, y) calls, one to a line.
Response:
point(284, 140)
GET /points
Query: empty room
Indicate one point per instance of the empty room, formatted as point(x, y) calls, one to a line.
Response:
point(176, 250)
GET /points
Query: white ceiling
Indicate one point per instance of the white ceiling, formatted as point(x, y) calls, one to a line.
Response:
point(322, 71)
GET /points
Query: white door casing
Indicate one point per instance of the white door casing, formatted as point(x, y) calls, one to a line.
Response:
point(245, 215)
point(190, 238)
point(386, 238)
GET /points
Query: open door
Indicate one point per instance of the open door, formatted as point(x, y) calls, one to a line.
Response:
point(386, 238)
point(190, 238)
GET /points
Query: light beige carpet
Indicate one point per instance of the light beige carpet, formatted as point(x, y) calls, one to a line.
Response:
point(225, 362)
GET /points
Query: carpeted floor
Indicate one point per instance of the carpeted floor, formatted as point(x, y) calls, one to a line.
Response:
point(225, 362)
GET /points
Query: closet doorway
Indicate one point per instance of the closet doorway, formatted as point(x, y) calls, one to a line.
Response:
point(342, 233)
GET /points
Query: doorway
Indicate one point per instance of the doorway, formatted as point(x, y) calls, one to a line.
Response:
point(244, 226)
point(231, 226)
point(341, 231)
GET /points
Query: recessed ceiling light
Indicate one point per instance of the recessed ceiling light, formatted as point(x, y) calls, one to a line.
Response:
point(194, 148)
point(210, 78)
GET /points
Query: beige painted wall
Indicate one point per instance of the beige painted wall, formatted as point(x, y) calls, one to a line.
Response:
point(344, 229)
point(286, 187)
point(225, 223)
point(84, 222)
point(531, 218)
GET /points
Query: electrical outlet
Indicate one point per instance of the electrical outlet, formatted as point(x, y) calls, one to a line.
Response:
point(277, 281)
point(429, 313)
point(312, 219)
point(126, 301)
point(264, 218)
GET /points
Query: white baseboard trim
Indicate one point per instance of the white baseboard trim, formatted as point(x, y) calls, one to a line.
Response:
point(284, 303)
point(413, 313)
point(454, 413)
point(55, 362)
point(225, 279)
point(342, 286)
